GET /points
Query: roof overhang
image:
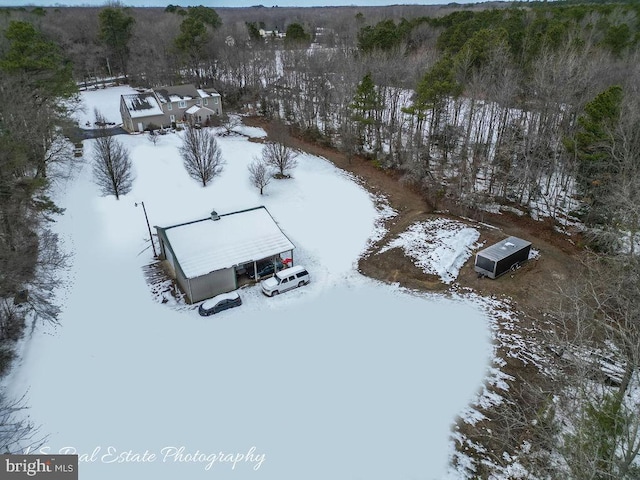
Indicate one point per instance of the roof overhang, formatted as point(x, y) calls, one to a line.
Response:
point(196, 109)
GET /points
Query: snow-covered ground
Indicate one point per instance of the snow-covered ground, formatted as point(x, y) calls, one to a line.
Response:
point(106, 100)
point(439, 247)
point(344, 378)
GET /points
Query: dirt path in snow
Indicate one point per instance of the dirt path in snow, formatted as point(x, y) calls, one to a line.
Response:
point(558, 253)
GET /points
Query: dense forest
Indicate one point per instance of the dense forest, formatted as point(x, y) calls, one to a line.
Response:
point(532, 106)
point(474, 105)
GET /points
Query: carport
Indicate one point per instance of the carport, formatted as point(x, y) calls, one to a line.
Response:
point(206, 254)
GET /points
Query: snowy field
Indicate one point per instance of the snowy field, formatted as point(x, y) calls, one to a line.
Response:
point(346, 378)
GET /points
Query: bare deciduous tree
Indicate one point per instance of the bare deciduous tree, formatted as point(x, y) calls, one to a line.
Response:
point(599, 339)
point(201, 155)
point(229, 123)
point(348, 141)
point(281, 157)
point(153, 137)
point(259, 174)
point(112, 167)
point(17, 434)
point(278, 152)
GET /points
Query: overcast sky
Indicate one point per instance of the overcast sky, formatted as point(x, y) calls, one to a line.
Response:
point(229, 3)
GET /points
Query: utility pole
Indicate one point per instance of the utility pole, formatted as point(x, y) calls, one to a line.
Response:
point(153, 245)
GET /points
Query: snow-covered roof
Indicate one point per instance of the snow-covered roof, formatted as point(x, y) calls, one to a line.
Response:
point(177, 98)
point(186, 92)
point(192, 110)
point(208, 245)
point(176, 93)
point(205, 94)
point(504, 248)
point(142, 105)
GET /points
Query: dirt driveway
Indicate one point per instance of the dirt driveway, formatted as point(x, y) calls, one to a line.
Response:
point(527, 286)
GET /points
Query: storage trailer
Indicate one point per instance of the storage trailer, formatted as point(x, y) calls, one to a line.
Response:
point(498, 259)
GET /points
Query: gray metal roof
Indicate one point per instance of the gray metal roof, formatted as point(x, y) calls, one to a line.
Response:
point(504, 248)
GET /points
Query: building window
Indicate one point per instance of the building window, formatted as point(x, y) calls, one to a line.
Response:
point(215, 100)
point(169, 106)
point(182, 104)
point(205, 102)
point(172, 118)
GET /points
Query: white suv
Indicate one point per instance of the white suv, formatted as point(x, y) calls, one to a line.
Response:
point(285, 280)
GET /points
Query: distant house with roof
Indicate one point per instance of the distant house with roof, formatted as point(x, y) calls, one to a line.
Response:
point(167, 106)
point(207, 256)
point(268, 34)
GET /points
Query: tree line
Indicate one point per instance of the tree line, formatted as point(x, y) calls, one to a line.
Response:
point(473, 106)
point(36, 146)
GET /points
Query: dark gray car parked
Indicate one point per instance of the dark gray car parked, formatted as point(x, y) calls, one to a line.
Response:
point(219, 303)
